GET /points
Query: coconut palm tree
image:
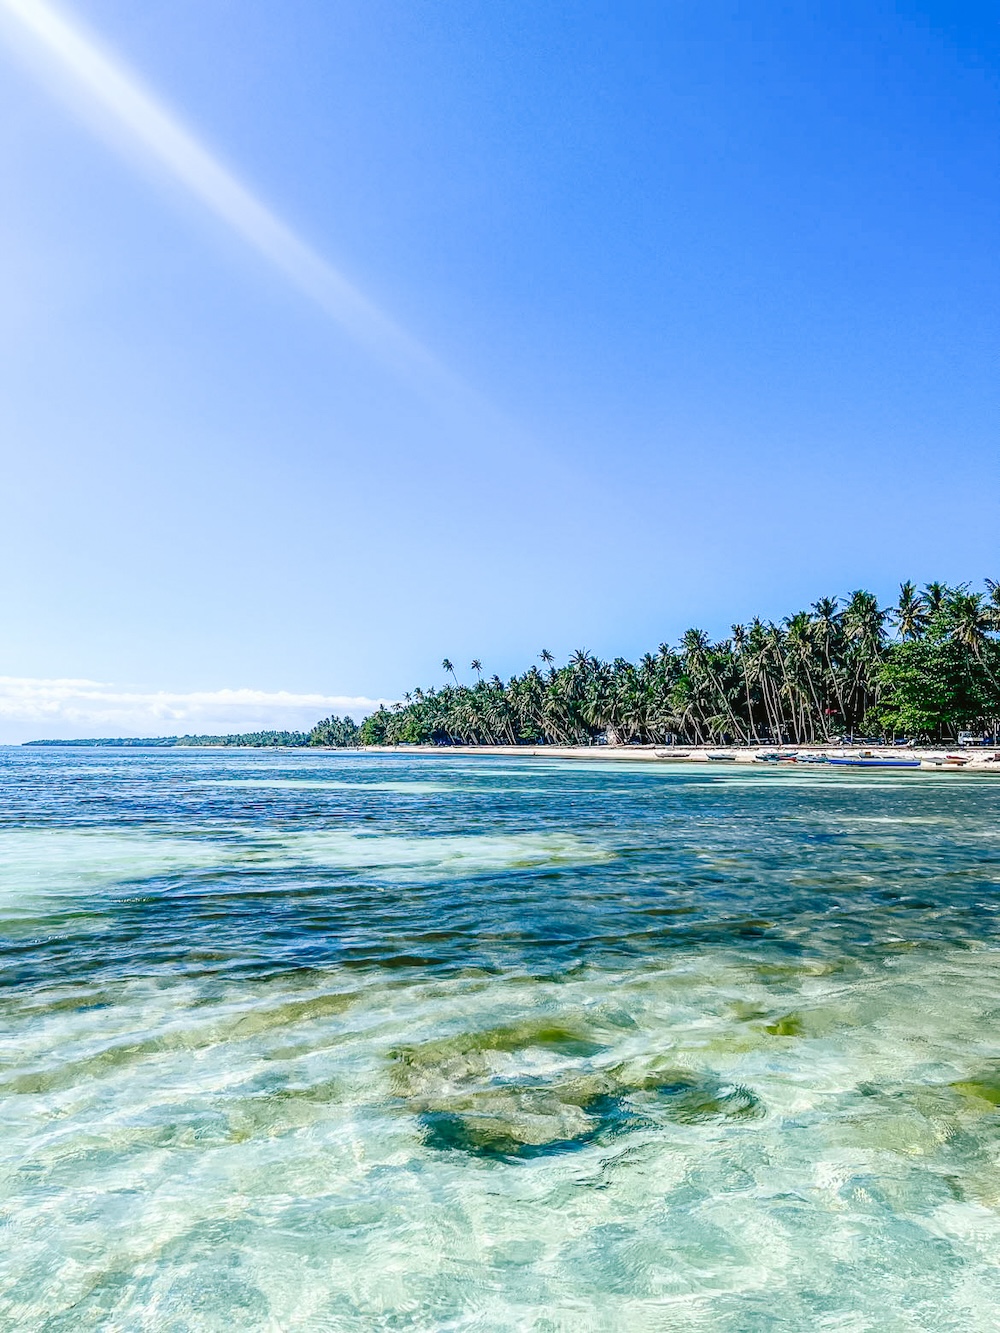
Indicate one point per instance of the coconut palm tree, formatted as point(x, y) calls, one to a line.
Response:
point(935, 596)
point(910, 614)
point(739, 642)
point(993, 607)
point(757, 655)
point(864, 629)
point(799, 639)
point(828, 627)
point(796, 680)
point(970, 621)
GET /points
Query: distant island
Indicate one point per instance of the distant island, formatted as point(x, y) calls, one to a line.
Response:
point(340, 732)
point(926, 669)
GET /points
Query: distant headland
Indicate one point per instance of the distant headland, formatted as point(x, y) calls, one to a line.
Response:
point(340, 732)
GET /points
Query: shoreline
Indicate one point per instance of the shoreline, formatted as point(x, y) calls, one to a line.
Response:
point(981, 759)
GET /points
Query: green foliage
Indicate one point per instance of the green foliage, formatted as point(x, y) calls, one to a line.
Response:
point(928, 666)
point(924, 668)
point(256, 739)
point(341, 732)
point(375, 729)
point(115, 741)
point(398, 727)
point(935, 688)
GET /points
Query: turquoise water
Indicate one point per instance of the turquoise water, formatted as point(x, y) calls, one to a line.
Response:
point(319, 1042)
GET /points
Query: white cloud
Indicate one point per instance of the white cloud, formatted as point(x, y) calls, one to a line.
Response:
point(38, 709)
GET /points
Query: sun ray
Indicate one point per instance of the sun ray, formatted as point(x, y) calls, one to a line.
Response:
point(117, 91)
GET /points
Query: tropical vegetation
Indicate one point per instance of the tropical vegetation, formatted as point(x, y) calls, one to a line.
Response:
point(926, 667)
point(342, 732)
point(335, 731)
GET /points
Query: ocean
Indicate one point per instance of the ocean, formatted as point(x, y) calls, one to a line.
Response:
point(318, 1041)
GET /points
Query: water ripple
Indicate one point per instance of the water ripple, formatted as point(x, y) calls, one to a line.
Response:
point(338, 1042)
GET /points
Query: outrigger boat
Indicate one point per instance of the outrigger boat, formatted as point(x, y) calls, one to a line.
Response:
point(720, 755)
point(872, 761)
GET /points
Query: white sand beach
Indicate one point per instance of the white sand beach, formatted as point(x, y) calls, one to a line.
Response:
point(955, 759)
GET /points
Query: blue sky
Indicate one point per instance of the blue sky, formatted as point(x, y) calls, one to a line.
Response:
point(663, 314)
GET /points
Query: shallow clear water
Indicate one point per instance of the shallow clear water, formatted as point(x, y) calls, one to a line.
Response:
point(307, 1041)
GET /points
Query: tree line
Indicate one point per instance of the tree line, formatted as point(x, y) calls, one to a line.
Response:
point(335, 731)
point(342, 732)
point(924, 668)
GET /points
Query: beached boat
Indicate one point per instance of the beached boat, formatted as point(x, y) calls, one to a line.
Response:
point(718, 754)
point(858, 761)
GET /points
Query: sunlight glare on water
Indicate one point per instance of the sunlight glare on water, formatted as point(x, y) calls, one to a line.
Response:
point(319, 1041)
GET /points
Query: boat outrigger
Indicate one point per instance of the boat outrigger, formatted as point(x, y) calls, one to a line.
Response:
point(873, 761)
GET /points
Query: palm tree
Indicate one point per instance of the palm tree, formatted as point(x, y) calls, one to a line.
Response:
point(799, 638)
point(970, 623)
point(715, 701)
point(756, 654)
point(740, 644)
point(935, 595)
point(777, 662)
point(864, 627)
point(970, 620)
point(910, 615)
point(828, 629)
point(993, 608)
point(789, 680)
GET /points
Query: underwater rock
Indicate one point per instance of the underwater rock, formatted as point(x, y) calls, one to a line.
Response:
point(985, 1087)
point(528, 1090)
point(521, 1122)
point(687, 1099)
point(789, 1025)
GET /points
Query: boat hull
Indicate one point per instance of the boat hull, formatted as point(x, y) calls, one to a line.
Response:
point(876, 763)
